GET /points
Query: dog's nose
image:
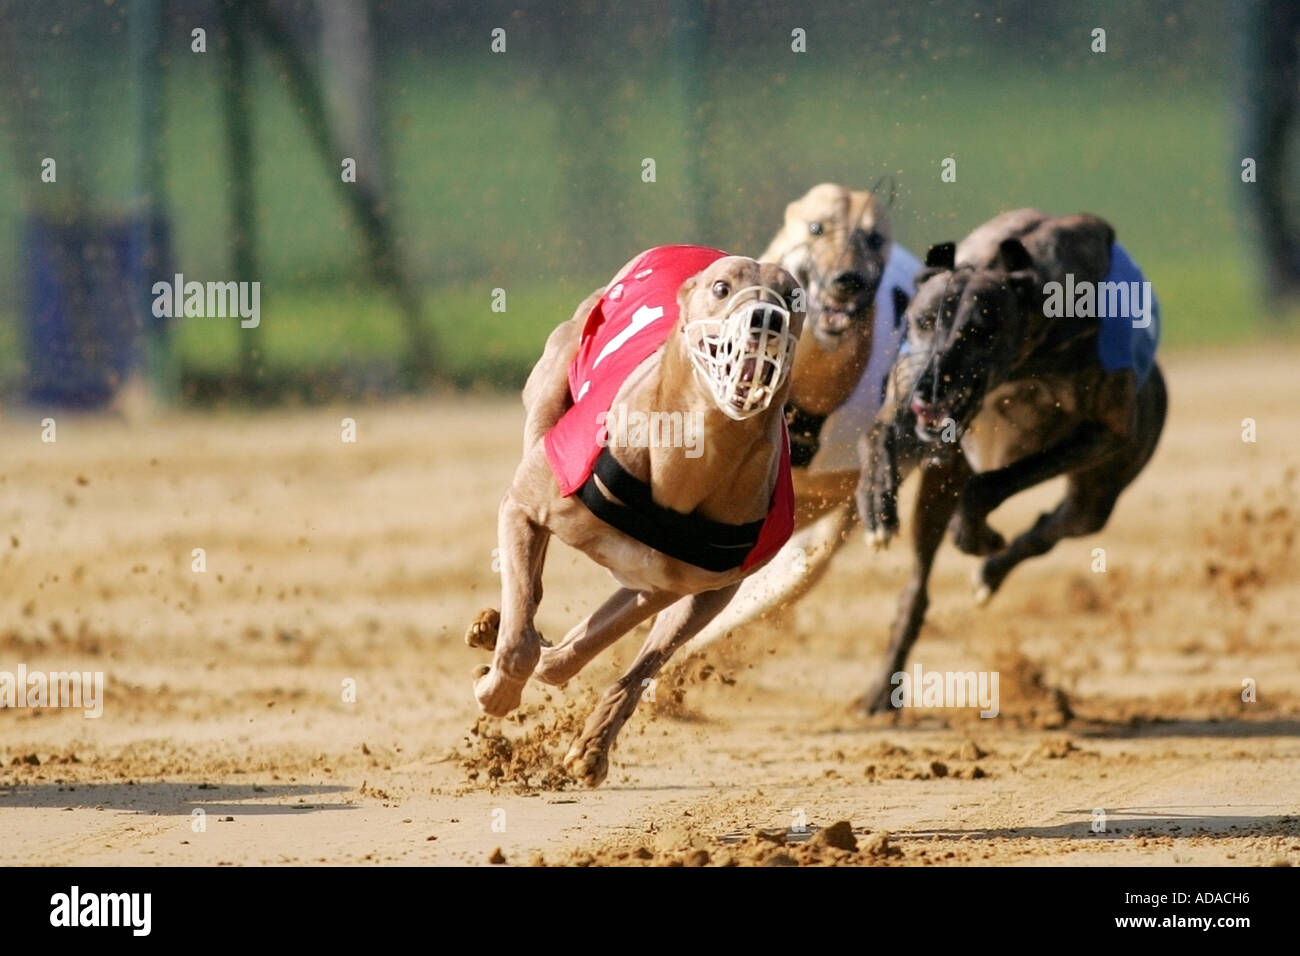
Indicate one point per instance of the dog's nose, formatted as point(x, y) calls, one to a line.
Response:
point(765, 320)
point(848, 282)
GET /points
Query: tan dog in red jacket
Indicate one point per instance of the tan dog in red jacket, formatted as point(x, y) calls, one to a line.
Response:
point(680, 331)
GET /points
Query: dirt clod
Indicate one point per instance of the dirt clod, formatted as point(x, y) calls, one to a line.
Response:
point(838, 835)
point(878, 845)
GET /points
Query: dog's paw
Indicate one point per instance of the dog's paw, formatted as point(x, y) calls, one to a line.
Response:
point(974, 536)
point(877, 699)
point(879, 538)
point(482, 633)
point(983, 585)
point(876, 702)
point(878, 509)
point(880, 703)
point(991, 574)
point(498, 694)
point(587, 761)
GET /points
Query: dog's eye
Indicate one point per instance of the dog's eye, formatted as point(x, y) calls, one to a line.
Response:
point(815, 228)
point(721, 289)
point(874, 241)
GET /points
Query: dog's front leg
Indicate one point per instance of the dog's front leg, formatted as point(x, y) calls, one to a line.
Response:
point(588, 756)
point(877, 492)
point(518, 645)
point(935, 502)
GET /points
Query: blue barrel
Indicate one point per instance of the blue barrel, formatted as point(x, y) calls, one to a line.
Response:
point(88, 305)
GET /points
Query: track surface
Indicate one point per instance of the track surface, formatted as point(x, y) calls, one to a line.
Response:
point(329, 561)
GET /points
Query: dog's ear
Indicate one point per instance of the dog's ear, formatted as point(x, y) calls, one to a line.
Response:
point(1024, 286)
point(1022, 275)
point(893, 189)
point(942, 256)
point(1013, 256)
point(1094, 238)
point(1096, 228)
point(685, 291)
point(925, 274)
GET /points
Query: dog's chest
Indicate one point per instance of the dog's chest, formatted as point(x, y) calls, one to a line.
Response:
point(1018, 419)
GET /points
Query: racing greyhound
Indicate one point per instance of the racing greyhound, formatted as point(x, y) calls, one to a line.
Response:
point(1003, 384)
point(679, 331)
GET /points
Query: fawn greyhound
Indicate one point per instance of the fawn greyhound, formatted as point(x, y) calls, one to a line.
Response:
point(996, 391)
point(839, 244)
point(680, 330)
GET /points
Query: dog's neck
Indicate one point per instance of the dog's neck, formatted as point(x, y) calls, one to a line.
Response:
point(732, 477)
point(822, 381)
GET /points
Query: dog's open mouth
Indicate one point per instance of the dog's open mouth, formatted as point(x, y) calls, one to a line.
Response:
point(931, 416)
point(753, 373)
point(749, 371)
point(942, 420)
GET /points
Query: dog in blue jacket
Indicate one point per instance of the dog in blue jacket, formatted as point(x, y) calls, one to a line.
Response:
point(1030, 354)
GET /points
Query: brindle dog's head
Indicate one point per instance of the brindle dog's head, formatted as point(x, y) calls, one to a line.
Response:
point(835, 241)
point(967, 329)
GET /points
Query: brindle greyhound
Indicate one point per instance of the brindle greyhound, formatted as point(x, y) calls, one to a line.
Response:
point(992, 397)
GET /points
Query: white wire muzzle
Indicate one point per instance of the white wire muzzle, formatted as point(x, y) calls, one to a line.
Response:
point(743, 359)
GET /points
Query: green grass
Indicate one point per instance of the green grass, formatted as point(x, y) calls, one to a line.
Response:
point(490, 189)
point(311, 329)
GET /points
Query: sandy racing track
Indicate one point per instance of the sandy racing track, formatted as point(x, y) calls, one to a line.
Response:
point(328, 561)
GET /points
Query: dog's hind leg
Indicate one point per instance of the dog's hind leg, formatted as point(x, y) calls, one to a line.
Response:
point(518, 646)
point(987, 490)
point(588, 756)
point(972, 535)
point(785, 579)
point(936, 499)
point(624, 610)
point(1090, 497)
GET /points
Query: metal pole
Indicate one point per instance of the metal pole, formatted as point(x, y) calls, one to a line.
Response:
point(239, 154)
point(148, 254)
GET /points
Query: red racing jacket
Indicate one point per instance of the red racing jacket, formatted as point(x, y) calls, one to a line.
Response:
point(632, 320)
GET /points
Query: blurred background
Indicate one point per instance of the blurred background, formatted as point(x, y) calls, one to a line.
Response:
point(522, 170)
